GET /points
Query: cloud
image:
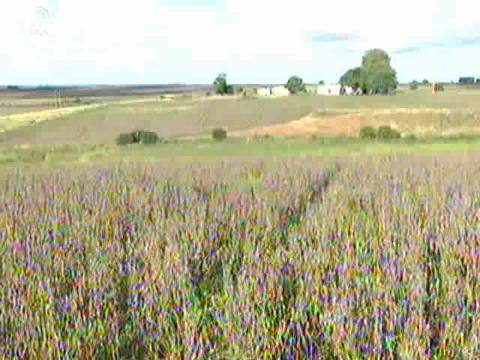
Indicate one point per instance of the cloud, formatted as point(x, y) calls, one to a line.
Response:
point(190, 39)
point(456, 42)
point(324, 37)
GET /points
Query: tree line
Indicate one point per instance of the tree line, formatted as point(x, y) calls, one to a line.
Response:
point(375, 76)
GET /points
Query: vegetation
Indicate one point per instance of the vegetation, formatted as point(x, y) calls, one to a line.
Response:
point(375, 76)
point(137, 137)
point(221, 86)
point(355, 78)
point(414, 85)
point(379, 74)
point(387, 133)
point(382, 133)
point(298, 258)
point(295, 85)
point(368, 132)
point(219, 134)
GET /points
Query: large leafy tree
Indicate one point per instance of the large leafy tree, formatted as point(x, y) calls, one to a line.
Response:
point(355, 78)
point(380, 77)
point(295, 85)
point(221, 85)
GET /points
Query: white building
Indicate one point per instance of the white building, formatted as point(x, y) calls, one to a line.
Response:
point(273, 91)
point(280, 91)
point(264, 91)
point(329, 90)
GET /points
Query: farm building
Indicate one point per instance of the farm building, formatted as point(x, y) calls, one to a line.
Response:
point(335, 90)
point(264, 91)
point(330, 90)
point(280, 91)
point(273, 91)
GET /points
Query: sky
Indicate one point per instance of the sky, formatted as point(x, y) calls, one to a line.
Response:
point(252, 41)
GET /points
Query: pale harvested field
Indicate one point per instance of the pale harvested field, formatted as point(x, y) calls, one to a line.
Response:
point(349, 122)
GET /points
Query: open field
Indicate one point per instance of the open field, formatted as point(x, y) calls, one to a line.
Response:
point(307, 244)
point(453, 111)
point(365, 257)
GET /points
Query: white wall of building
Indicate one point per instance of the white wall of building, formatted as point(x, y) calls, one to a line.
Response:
point(329, 90)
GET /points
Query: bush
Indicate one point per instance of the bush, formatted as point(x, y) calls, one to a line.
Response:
point(219, 134)
point(146, 137)
point(410, 138)
point(125, 139)
point(368, 132)
point(414, 85)
point(137, 137)
point(387, 133)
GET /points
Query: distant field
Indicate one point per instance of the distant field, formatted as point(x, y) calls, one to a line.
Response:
point(282, 247)
point(453, 111)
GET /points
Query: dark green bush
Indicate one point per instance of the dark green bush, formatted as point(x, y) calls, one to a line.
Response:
point(387, 133)
point(137, 137)
point(368, 132)
point(219, 134)
point(146, 137)
point(125, 139)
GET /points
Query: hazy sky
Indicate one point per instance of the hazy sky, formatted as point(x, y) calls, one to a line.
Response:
point(256, 41)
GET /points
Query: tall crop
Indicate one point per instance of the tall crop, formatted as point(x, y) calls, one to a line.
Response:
point(291, 259)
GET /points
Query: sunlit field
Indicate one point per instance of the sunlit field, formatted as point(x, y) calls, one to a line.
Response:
point(456, 110)
point(300, 258)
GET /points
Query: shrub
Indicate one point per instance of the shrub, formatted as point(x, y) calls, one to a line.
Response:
point(387, 133)
point(125, 139)
point(410, 138)
point(219, 134)
point(368, 132)
point(414, 85)
point(137, 137)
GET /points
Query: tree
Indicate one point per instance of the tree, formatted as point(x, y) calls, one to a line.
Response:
point(221, 85)
point(380, 77)
point(354, 78)
point(295, 85)
point(425, 82)
point(414, 85)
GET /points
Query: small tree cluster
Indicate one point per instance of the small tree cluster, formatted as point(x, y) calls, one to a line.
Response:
point(374, 76)
point(382, 133)
point(414, 85)
point(221, 86)
point(219, 134)
point(295, 85)
point(137, 137)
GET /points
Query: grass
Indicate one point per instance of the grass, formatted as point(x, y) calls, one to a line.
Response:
point(194, 116)
point(324, 247)
point(187, 151)
point(302, 257)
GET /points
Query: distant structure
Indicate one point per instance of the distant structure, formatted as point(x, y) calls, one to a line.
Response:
point(280, 91)
point(329, 90)
point(466, 80)
point(436, 87)
point(264, 91)
point(273, 91)
point(336, 90)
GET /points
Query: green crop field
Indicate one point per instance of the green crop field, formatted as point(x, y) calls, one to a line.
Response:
point(308, 243)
